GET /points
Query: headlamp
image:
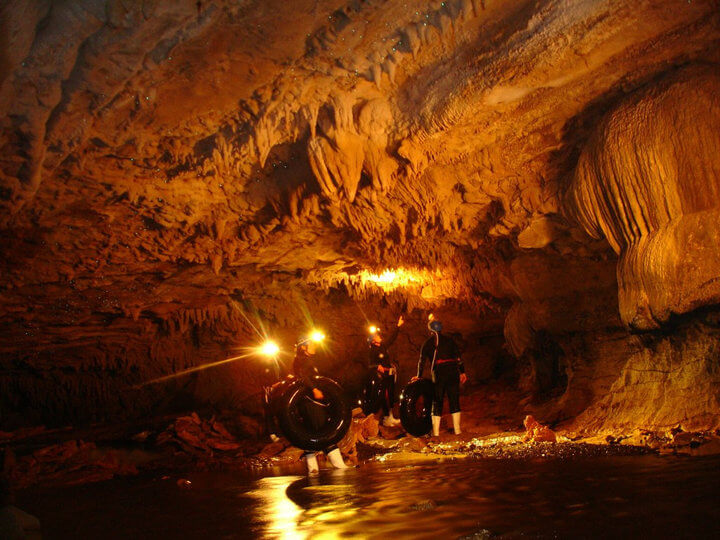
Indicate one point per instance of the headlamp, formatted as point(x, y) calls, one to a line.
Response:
point(269, 348)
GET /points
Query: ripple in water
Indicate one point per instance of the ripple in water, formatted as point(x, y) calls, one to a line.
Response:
point(609, 497)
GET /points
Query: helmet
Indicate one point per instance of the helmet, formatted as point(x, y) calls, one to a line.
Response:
point(372, 332)
point(315, 335)
point(435, 326)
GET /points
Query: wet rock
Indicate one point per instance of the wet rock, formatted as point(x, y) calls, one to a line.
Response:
point(198, 436)
point(69, 463)
point(245, 426)
point(291, 454)
point(183, 483)
point(273, 449)
point(23, 433)
point(536, 432)
point(411, 444)
point(709, 447)
point(370, 427)
point(16, 524)
point(361, 430)
point(391, 432)
point(686, 439)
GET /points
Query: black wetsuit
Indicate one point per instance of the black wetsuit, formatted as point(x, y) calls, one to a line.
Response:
point(304, 368)
point(270, 377)
point(379, 356)
point(446, 366)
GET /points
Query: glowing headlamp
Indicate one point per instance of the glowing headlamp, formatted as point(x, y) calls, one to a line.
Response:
point(373, 329)
point(317, 336)
point(269, 348)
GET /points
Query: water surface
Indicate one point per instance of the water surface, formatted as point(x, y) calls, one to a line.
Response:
point(598, 497)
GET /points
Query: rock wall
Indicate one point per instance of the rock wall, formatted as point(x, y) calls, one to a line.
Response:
point(113, 369)
point(649, 181)
point(658, 382)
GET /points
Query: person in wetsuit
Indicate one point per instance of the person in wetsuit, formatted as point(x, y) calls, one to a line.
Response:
point(270, 378)
point(380, 360)
point(447, 371)
point(304, 368)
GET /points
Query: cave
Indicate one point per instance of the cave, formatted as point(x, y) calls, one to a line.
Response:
point(184, 184)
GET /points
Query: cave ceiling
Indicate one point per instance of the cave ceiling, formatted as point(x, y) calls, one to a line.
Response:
point(163, 154)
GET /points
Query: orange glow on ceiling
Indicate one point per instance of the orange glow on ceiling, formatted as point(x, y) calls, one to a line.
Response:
point(396, 278)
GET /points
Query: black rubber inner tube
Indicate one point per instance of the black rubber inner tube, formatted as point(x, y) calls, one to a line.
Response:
point(309, 423)
point(416, 407)
point(276, 392)
point(371, 395)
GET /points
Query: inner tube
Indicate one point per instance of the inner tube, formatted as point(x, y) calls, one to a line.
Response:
point(372, 393)
point(309, 423)
point(416, 407)
point(275, 395)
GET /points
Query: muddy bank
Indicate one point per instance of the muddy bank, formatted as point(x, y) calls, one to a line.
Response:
point(193, 443)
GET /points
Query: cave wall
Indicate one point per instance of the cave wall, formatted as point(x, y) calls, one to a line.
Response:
point(621, 384)
point(649, 181)
point(114, 368)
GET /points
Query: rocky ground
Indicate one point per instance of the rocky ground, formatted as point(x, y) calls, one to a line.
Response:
point(492, 430)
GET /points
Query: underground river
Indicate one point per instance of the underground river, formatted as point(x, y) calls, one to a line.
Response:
point(643, 496)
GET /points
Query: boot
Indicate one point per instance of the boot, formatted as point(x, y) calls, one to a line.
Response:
point(336, 459)
point(312, 464)
point(436, 425)
point(390, 421)
point(456, 422)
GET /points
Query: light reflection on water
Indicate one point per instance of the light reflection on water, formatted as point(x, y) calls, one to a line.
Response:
point(280, 514)
point(606, 497)
point(595, 497)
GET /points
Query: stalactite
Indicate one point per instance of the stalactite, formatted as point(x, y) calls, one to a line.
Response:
point(412, 38)
point(317, 151)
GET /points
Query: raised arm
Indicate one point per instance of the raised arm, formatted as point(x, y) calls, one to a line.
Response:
point(425, 354)
point(394, 334)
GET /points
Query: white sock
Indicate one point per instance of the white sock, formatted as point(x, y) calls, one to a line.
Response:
point(336, 459)
point(456, 422)
point(312, 464)
point(436, 425)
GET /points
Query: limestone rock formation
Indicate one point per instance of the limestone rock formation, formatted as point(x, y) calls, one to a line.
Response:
point(179, 179)
point(649, 181)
